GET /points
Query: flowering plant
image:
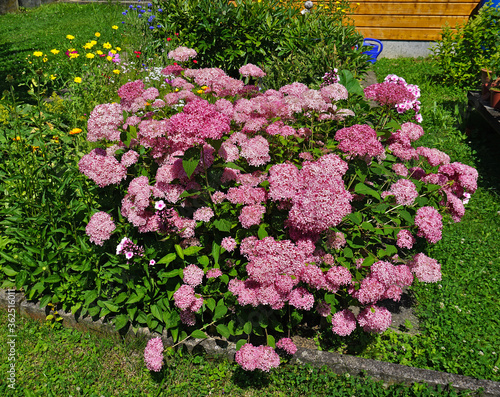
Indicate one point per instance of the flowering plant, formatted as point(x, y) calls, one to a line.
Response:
point(245, 212)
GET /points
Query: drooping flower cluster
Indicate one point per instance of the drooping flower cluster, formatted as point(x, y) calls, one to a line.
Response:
point(261, 357)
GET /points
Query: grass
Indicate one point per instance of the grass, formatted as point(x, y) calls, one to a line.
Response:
point(458, 317)
point(59, 361)
point(46, 27)
point(459, 327)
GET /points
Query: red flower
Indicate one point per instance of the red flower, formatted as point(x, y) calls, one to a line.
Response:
point(137, 52)
point(175, 63)
point(177, 34)
point(195, 61)
point(169, 39)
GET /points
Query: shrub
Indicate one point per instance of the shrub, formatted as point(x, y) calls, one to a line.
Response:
point(268, 33)
point(243, 212)
point(461, 53)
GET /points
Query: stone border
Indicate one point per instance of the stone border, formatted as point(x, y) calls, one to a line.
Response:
point(339, 363)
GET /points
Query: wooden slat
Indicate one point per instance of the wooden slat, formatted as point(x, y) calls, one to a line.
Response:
point(406, 21)
point(391, 8)
point(405, 34)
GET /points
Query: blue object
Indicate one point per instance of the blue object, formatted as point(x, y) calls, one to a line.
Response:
point(494, 3)
point(376, 48)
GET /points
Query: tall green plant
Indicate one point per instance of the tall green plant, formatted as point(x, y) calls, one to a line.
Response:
point(463, 51)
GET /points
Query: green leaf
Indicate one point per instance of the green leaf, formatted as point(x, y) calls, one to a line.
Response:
point(262, 231)
point(190, 161)
point(240, 343)
point(222, 224)
point(406, 216)
point(9, 271)
point(220, 311)
point(155, 311)
point(167, 259)
point(179, 251)
point(53, 278)
point(210, 302)
point(348, 81)
point(247, 328)
point(203, 260)
point(355, 217)
point(111, 306)
point(271, 341)
point(89, 296)
point(394, 125)
point(21, 278)
point(198, 334)
point(361, 188)
point(120, 321)
point(223, 331)
point(367, 226)
point(45, 300)
point(192, 250)
point(348, 252)
point(215, 252)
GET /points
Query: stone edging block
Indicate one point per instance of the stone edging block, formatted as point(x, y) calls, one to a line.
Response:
point(339, 363)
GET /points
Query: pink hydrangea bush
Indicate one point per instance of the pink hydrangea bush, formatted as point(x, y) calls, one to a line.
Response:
point(253, 204)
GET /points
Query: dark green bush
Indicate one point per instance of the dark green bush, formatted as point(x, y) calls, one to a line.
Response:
point(272, 34)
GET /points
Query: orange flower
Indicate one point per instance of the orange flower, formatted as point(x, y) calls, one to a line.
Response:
point(75, 131)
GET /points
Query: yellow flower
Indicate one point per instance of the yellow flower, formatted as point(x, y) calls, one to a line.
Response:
point(200, 91)
point(71, 49)
point(90, 55)
point(73, 55)
point(118, 49)
point(87, 46)
point(38, 53)
point(52, 77)
point(204, 87)
point(45, 59)
point(35, 148)
point(116, 71)
point(177, 89)
point(98, 52)
point(17, 138)
point(69, 37)
point(75, 131)
point(78, 80)
point(97, 34)
point(107, 46)
point(114, 27)
point(93, 42)
point(109, 58)
point(54, 51)
point(112, 51)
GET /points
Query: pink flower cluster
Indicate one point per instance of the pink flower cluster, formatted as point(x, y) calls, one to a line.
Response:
point(429, 223)
point(153, 354)
point(404, 191)
point(385, 281)
point(251, 70)
point(104, 170)
point(104, 122)
point(129, 249)
point(287, 345)
point(359, 140)
point(182, 54)
point(257, 357)
point(317, 193)
point(100, 227)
